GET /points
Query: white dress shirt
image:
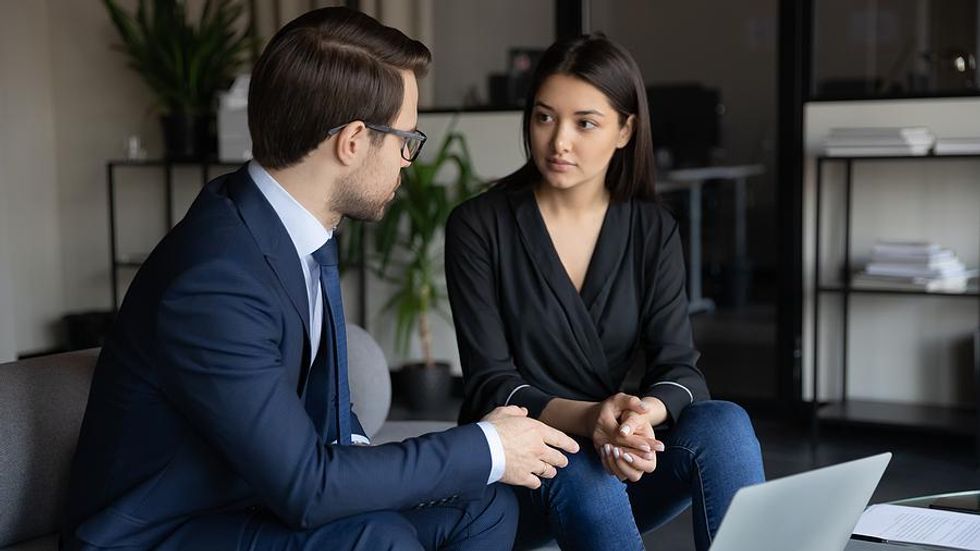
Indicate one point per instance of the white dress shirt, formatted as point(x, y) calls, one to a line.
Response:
point(308, 235)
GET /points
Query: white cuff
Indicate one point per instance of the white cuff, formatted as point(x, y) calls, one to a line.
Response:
point(359, 439)
point(497, 459)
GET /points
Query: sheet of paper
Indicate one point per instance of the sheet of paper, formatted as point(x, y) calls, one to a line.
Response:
point(896, 523)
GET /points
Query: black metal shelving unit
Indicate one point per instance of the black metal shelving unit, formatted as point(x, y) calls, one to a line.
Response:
point(115, 263)
point(953, 420)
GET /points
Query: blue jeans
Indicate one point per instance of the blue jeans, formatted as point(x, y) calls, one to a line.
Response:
point(710, 453)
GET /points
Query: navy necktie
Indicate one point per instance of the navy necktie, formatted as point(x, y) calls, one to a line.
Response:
point(332, 358)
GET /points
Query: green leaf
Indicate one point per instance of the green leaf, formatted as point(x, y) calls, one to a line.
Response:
point(404, 241)
point(185, 65)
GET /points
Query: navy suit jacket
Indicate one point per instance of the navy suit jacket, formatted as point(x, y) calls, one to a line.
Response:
point(195, 407)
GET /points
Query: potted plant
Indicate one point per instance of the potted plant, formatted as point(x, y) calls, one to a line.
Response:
point(408, 254)
point(184, 65)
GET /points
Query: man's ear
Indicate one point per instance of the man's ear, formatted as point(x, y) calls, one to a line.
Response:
point(626, 132)
point(351, 140)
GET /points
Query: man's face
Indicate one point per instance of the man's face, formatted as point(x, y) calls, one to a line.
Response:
point(366, 193)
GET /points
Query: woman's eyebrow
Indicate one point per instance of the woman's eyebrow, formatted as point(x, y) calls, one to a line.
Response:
point(583, 112)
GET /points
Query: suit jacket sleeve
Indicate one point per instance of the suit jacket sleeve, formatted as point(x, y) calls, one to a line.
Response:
point(490, 376)
point(218, 336)
point(671, 374)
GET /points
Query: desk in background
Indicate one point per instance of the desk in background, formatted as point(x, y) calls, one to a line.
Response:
point(692, 181)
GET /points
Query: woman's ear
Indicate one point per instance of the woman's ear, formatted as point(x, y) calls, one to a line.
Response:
point(350, 141)
point(626, 132)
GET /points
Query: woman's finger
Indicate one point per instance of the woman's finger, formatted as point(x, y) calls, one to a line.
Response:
point(607, 460)
point(624, 466)
point(646, 463)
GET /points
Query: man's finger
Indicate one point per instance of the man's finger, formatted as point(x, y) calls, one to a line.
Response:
point(554, 457)
point(558, 439)
point(547, 471)
point(531, 481)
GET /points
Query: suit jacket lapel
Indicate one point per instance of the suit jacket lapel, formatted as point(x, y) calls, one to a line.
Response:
point(273, 240)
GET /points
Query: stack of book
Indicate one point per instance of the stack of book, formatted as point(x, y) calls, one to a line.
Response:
point(879, 142)
point(915, 266)
point(957, 146)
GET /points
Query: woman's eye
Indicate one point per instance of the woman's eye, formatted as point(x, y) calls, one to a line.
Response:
point(543, 117)
point(587, 125)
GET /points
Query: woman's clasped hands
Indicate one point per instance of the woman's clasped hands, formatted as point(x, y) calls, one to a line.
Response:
point(623, 435)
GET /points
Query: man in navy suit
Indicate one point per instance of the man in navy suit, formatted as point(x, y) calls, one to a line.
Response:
point(219, 415)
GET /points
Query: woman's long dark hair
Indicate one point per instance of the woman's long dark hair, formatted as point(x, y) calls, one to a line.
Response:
point(606, 65)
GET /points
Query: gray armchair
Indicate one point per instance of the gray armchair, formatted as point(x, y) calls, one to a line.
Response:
point(42, 401)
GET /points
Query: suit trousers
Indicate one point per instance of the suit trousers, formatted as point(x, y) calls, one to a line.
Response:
point(488, 523)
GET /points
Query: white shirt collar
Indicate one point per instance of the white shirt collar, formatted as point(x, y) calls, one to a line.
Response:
point(307, 233)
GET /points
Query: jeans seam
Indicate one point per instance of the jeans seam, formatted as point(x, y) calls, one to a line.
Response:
point(704, 501)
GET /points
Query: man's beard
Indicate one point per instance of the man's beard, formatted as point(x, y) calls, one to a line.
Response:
point(351, 200)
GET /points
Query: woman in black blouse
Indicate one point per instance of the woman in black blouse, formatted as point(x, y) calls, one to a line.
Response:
point(564, 275)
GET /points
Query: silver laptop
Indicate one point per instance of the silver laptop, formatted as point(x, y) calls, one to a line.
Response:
point(811, 511)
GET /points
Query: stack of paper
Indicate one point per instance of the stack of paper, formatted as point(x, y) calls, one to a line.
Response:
point(914, 525)
point(957, 146)
point(912, 265)
point(878, 142)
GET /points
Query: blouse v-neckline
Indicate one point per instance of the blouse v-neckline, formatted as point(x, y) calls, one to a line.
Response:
point(606, 255)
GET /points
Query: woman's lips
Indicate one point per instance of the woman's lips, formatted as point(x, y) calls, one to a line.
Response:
point(558, 165)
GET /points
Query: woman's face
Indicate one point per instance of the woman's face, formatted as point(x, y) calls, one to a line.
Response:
point(574, 133)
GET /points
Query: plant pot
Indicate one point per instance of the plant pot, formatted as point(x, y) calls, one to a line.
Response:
point(189, 137)
point(425, 388)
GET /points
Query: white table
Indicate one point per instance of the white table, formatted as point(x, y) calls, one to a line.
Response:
point(692, 180)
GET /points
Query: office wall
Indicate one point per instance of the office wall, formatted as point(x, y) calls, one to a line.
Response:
point(471, 38)
point(69, 103)
point(98, 102)
point(31, 294)
point(906, 349)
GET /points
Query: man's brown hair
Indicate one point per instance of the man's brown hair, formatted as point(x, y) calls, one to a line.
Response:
point(324, 69)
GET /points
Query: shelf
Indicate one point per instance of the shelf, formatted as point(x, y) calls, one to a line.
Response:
point(163, 162)
point(899, 157)
point(971, 292)
point(954, 420)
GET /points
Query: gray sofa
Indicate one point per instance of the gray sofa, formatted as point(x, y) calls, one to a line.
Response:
point(42, 401)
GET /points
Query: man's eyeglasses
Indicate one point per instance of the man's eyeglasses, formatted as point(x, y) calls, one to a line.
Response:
point(412, 140)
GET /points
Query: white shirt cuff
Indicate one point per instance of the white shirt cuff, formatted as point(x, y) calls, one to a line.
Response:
point(359, 439)
point(497, 459)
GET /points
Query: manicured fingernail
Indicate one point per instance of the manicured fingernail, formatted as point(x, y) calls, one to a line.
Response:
point(659, 446)
point(616, 453)
point(605, 449)
point(626, 429)
point(628, 457)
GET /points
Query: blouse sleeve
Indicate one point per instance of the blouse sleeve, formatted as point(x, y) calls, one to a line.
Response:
point(490, 378)
point(671, 371)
